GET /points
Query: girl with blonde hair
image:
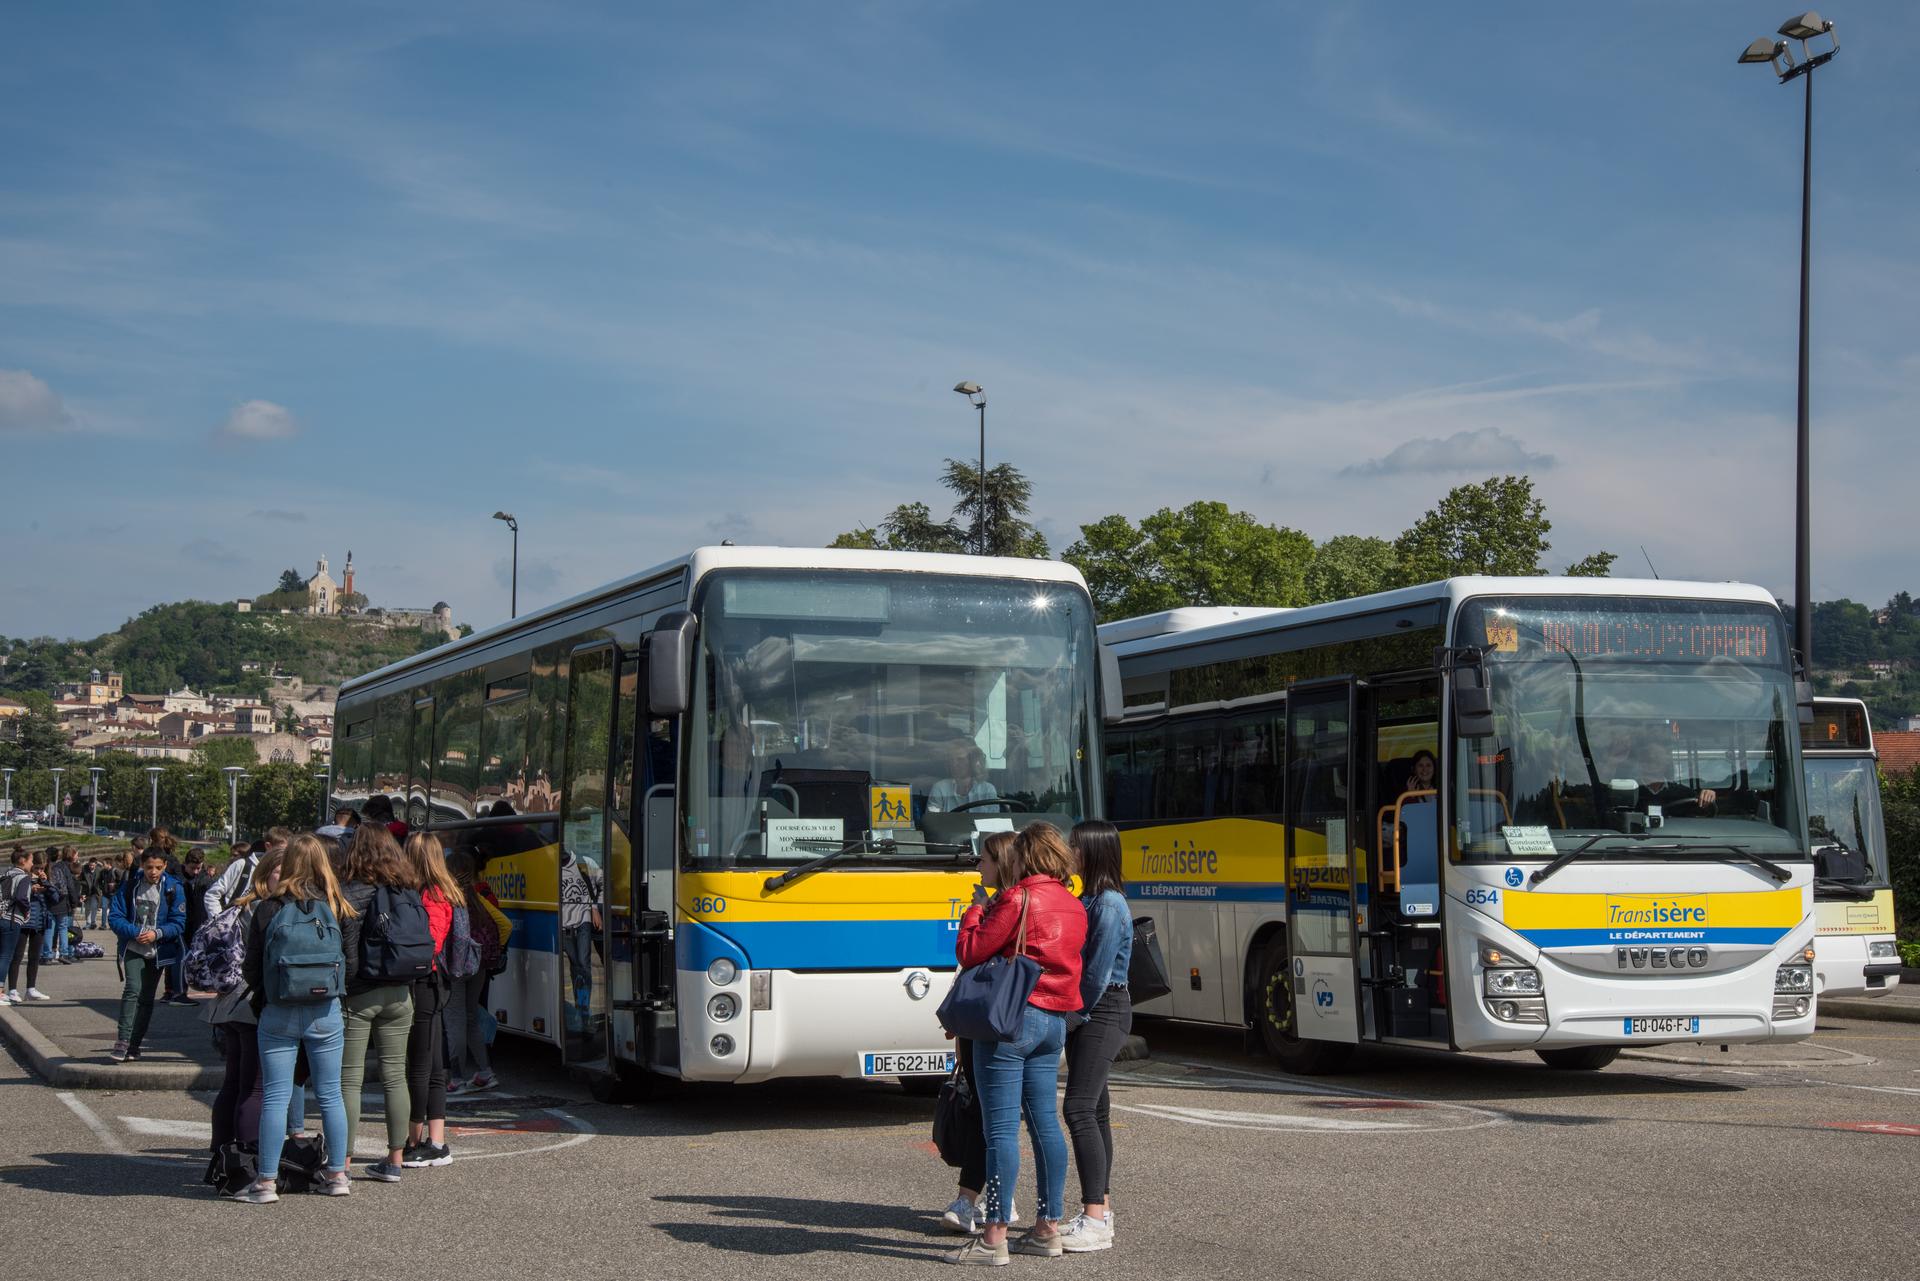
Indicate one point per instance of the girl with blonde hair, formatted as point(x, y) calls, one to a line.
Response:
point(305, 885)
point(426, 1038)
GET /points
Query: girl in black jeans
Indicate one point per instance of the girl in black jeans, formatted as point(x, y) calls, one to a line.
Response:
point(1107, 1014)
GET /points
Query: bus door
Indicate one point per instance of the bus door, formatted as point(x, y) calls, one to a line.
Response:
point(1320, 859)
point(585, 856)
point(1402, 956)
point(645, 1032)
point(617, 941)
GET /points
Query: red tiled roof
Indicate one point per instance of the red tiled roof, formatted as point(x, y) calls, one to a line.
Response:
point(1899, 749)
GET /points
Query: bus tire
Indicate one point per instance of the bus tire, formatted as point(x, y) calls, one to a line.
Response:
point(922, 1087)
point(1583, 1058)
point(625, 1084)
point(1274, 1018)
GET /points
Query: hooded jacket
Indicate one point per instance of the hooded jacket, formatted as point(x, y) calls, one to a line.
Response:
point(172, 925)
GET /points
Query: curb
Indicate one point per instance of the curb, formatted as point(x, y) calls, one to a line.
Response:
point(1875, 1010)
point(65, 1072)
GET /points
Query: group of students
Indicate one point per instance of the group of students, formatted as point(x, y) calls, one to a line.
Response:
point(317, 948)
point(1080, 1004)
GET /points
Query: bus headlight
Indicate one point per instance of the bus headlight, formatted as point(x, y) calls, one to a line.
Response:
point(1793, 980)
point(1512, 982)
point(1882, 950)
point(721, 1046)
point(723, 1007)
point(722, 972)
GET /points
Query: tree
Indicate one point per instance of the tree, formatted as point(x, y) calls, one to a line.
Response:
point(278, 795)
point(351, 600)
point(290, 581)
point(39, 739)
point(1203, 554)
point(223, 750)
point(1349, 565)
point(1495, 527)
point(1598, 565)
point(910, 527)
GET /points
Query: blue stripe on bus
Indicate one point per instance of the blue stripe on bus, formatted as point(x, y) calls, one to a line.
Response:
point(533, 930)
point(1627, 937)
point(1211, 891)
point(819, 945)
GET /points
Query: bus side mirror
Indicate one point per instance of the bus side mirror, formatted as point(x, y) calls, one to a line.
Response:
point(1472, 705)
point(1113, 705)
point(670, 664)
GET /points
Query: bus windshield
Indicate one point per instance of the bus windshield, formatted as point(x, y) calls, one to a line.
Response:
point(1843, 808)
point(835, 706)
point(1631, 726)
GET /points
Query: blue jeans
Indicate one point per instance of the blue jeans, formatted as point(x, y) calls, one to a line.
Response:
point(283, 1029)
point(1016, 1077)
point(59, 938)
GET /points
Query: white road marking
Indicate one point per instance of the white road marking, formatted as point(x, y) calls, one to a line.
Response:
point(104, 1132)
point(584, 1133)
point(1225, 1120)
point(365, 1144)
point(1267, 1084)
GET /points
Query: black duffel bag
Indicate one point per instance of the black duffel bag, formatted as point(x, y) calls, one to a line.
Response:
point(956, 1117)
point(1147, 969)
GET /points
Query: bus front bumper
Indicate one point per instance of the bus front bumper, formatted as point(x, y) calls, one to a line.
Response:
point(1844, 965)
point(814, 1023)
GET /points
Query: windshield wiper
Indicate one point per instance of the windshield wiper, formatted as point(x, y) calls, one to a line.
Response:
point(858, 845)
point(1836, 888)
point(1567, 856)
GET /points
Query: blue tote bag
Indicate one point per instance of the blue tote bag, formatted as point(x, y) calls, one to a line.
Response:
point(989, 1001)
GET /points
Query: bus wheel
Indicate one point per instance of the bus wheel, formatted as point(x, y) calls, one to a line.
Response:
point(1275, 1017)
point(922, 1087)
point(1585, 1058)
point(626, 1084)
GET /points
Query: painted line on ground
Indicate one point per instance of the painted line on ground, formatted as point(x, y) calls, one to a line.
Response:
point(104, 1132)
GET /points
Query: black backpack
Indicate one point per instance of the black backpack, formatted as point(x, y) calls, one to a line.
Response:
point(395, 944)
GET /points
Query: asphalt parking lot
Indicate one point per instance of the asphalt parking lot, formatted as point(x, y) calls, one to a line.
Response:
point(1760, 1162)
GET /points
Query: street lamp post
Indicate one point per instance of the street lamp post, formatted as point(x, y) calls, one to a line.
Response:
point(978, 399)
point(153, 814)
point(59, 810)
point(234, 774)
point(513, 610)
point(93, 821)
point(6, 773)
point(1778, 55)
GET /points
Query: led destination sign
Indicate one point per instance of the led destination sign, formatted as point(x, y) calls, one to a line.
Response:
point(1649, 631)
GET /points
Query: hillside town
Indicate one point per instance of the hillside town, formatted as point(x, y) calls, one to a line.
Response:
point(293, 725)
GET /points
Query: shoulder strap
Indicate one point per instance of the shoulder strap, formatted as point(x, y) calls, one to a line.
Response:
point(1020, 939)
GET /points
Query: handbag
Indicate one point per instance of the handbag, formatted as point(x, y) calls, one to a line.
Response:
point(956, 1118)
point(988, 1001)
point(1147, 968)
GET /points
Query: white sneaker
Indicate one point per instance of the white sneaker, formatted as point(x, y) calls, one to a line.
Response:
point(15, 997)
point(5, 999)
point(35, 994)
point(1085, 1234)
point(962, 1217)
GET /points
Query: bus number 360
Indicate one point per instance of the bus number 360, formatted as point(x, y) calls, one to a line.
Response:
point(705, 905)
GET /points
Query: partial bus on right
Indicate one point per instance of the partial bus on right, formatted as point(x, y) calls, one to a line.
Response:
point(1854, 953)
point(1558, 815)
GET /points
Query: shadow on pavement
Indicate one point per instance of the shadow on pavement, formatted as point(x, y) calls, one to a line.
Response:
point(797, 1225)
point(105, 1174)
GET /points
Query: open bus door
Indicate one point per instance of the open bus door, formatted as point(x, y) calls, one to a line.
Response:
point(1320, 799)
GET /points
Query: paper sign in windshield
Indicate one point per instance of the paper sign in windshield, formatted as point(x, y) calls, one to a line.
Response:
point(1529, 840)
point(785, 836)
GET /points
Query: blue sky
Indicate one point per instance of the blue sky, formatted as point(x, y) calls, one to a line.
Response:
point(279, 280)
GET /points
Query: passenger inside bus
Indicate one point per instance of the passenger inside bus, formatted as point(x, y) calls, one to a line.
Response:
point(966, 783)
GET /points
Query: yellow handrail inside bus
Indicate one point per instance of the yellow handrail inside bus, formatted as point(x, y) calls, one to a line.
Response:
point(1393, 864)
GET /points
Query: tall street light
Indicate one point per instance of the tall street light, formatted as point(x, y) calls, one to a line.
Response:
point(1779, 56)
point(153, 814)
point(93, 825)
point(234, 774)
point(59, 810)
point(7, 774)
point(514, 525)
point(978, 398)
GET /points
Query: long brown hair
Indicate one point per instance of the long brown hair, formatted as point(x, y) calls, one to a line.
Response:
point(429, 862)
point(1040, 850)
point(262, 881)
point(375, 858)
point(307, 873)
point(159, 838)
point(1096, 842)
point(998, 846)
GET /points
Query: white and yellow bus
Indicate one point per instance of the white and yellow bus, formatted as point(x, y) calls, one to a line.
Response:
point(1546, 814)
point(1855, 952)
point(718, 798)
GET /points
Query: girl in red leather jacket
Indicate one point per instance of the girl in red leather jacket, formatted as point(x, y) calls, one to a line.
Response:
point(1037, 915)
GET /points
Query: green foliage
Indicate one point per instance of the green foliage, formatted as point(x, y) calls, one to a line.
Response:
point(1846, 638)
point(1203, 554)
point(279, 796)
point(1598, 565)
point(1900, 796)
point(911, 527)
point(225, 750)
point(1495, 527)
point(274, 602)
point(351, 600)
point(1349, 565)
point(290, 581)
point(38, 738)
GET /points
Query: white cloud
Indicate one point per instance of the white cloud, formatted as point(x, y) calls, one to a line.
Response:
point(27, 404)
point(258, 420)
point(1487, 450)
